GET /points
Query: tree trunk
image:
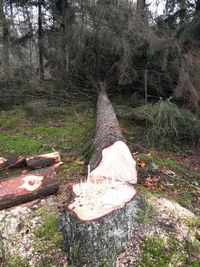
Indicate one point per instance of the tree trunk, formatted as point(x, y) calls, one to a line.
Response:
point(140, 8)
point(98, 222)
point(40, 40)
point(5, 41)
point(24, 188)
point(98, 242)
point(12, 162)
point(197, 6)
point(34, 162)
point(42, 161)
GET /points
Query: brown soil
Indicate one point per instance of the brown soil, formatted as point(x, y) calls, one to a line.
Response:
point(191, 161)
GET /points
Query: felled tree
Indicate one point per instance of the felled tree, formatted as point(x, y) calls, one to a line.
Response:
point(98, 222)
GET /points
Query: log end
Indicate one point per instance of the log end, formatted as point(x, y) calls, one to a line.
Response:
point(20, 189)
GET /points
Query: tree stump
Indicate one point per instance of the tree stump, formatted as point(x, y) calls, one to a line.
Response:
point(97, 224)
point(98, 242)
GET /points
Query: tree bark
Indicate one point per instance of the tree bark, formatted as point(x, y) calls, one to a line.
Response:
point(20, 189)
point(107, 127)
point(197, 8)
point(98, 222)
point(42, 161)
point(34, 162)
point(98, 242)
point(12, 162)
point(5, 41)
point(40, 40)
point(140, 8)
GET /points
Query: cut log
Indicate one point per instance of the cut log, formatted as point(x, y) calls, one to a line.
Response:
point(27, 187)
point(97, 223)
point(43, 161)
point(112, 158)
point(12, 162)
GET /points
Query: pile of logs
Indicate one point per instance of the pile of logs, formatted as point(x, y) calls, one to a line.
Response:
point(39, 182)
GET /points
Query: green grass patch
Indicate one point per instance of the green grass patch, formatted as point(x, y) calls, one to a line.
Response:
point(12, 119)
point(23, 135)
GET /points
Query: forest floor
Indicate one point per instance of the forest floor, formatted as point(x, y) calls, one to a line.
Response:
point(169, 235)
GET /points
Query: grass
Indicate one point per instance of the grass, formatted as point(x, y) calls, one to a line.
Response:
point(30, 136)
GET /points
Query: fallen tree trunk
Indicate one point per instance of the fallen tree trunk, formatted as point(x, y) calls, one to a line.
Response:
point(12, 162)
point(33, 162)
point(97, 223)
point(27, 187)
point(42, 161)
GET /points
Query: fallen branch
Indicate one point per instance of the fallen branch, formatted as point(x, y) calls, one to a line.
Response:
point(12, 162)
point(42, 161)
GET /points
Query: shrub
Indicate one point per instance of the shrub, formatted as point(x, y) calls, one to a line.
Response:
point(165, 122)
point(36, 108)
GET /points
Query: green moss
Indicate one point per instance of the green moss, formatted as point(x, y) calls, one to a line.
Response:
point(35, 137)
point(192, 222)
point(73, 167)
point(50, 225)
point(48, 238)
point(42, 211)
point(15, 260)
point(145, 192)
point(20, 144)
point(158, 252)
point(163, 163)
point(76, 256)
point(105, 262)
